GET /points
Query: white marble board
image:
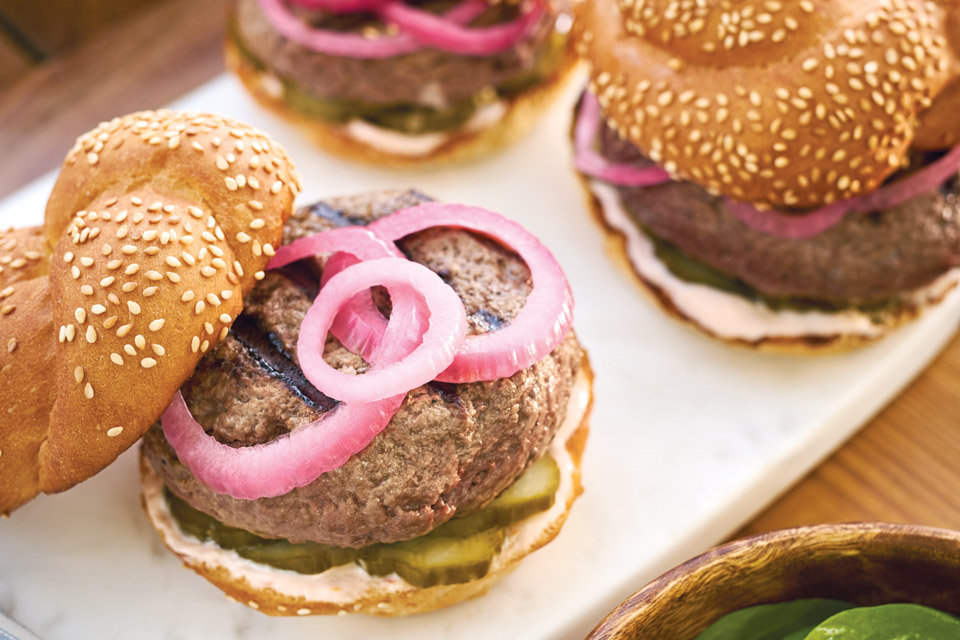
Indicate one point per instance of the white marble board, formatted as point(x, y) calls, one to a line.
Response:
point(690, 438)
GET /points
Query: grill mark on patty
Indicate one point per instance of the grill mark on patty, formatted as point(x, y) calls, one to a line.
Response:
point(269, 354)
point(336, 217)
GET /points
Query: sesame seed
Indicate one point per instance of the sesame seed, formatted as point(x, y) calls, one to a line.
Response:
point(149, 291)
point(200, 306)
point(173, 277)
point(98, 309)
point(109, 322)
point(154, 275)
point(157, 324)
point(116, 358)
point(129, 349)
point(80, 314)
point(12, 345)
point(150, 235)
point(86, 261)
point(88, 391)
point(225, 318)
point(213, 299)
point(115, 431)
point(128, 249)
point(71, 332)
point(195, 344)
point(204, 346)
point(91, 334)
point(277, 186)
point(231, 184)
point(158, 349)
point(133, 307)
point(78, 374)
point(68, 257)
point(259, 275)
point(207, 271)
point(268, 250)
point(148, 363)
point(140, 341)
point(243, 237)
point(86, 290)
point(173, 262)
point(106, 282)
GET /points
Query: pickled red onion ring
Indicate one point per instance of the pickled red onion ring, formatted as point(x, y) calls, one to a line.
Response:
point(357, 241)
point(351, 45)
point(445, 332)
point(540, 325)
point(359, 331)
point(441, 33)
point(277, 467)
point(588, 161)
point(807, 225)
point(339, 6)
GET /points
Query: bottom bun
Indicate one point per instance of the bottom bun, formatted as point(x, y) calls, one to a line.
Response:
point(349, 589)
point(739, 321)
point(510, 120)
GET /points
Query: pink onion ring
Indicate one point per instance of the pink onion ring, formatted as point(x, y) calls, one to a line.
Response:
point(540, 325)
point(339, 6)
point(440, 33)
point(359, 331)
point(277, 467)
point(588, 161)
point(351, 45)
point(812, 223)
point(402, 278)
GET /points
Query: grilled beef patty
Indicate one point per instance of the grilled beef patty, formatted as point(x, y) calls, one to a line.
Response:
point(864, 258)
point(429, 77)
point(450, 449)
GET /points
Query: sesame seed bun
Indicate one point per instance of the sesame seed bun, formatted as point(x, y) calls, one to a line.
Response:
point(282, 593)
point(159, 223)
point(461, 144)
point(789, 103)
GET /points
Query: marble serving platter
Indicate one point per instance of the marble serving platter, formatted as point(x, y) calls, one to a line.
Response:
point(689, 438)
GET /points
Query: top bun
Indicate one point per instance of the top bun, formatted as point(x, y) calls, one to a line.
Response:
point(789, 103)
point(159, 223)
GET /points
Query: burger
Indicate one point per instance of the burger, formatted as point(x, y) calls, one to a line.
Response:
point(158, 225)
point(402, 83)
point(783, 175)
point(263, 484)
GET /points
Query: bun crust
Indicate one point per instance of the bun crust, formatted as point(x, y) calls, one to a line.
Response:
point(461, 145)
point(791, 104)
point(385, 598)
point(161, 223)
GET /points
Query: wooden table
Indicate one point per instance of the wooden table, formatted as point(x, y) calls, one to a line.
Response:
point(904, 466)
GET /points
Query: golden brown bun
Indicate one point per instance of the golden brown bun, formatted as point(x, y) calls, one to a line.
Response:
point(24, 255)
point(793, 103)
point(386, 601)
point(162, 221)
point(800, 345)
point(461, 146)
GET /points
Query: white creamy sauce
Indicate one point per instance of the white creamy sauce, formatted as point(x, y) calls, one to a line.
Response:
point(348, 583)
point(402, 144)
point(731, 316)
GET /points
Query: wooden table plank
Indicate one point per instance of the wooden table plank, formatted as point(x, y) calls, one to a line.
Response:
point(902, 467)
point(54, 26)
point(141, 63)
point(14, 62)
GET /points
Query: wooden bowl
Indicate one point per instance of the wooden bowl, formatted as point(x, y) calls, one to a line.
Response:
point(867, 564)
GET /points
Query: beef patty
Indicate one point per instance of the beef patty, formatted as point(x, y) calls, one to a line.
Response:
point(864, 258)
point(450, 449)
point(429, 77)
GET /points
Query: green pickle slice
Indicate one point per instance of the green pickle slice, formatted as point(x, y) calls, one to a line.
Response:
point(457, 551)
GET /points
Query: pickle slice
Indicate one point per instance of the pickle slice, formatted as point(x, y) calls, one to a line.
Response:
point(432, 560)
point(531, 493)
point(457, 551)
point(302, 557)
